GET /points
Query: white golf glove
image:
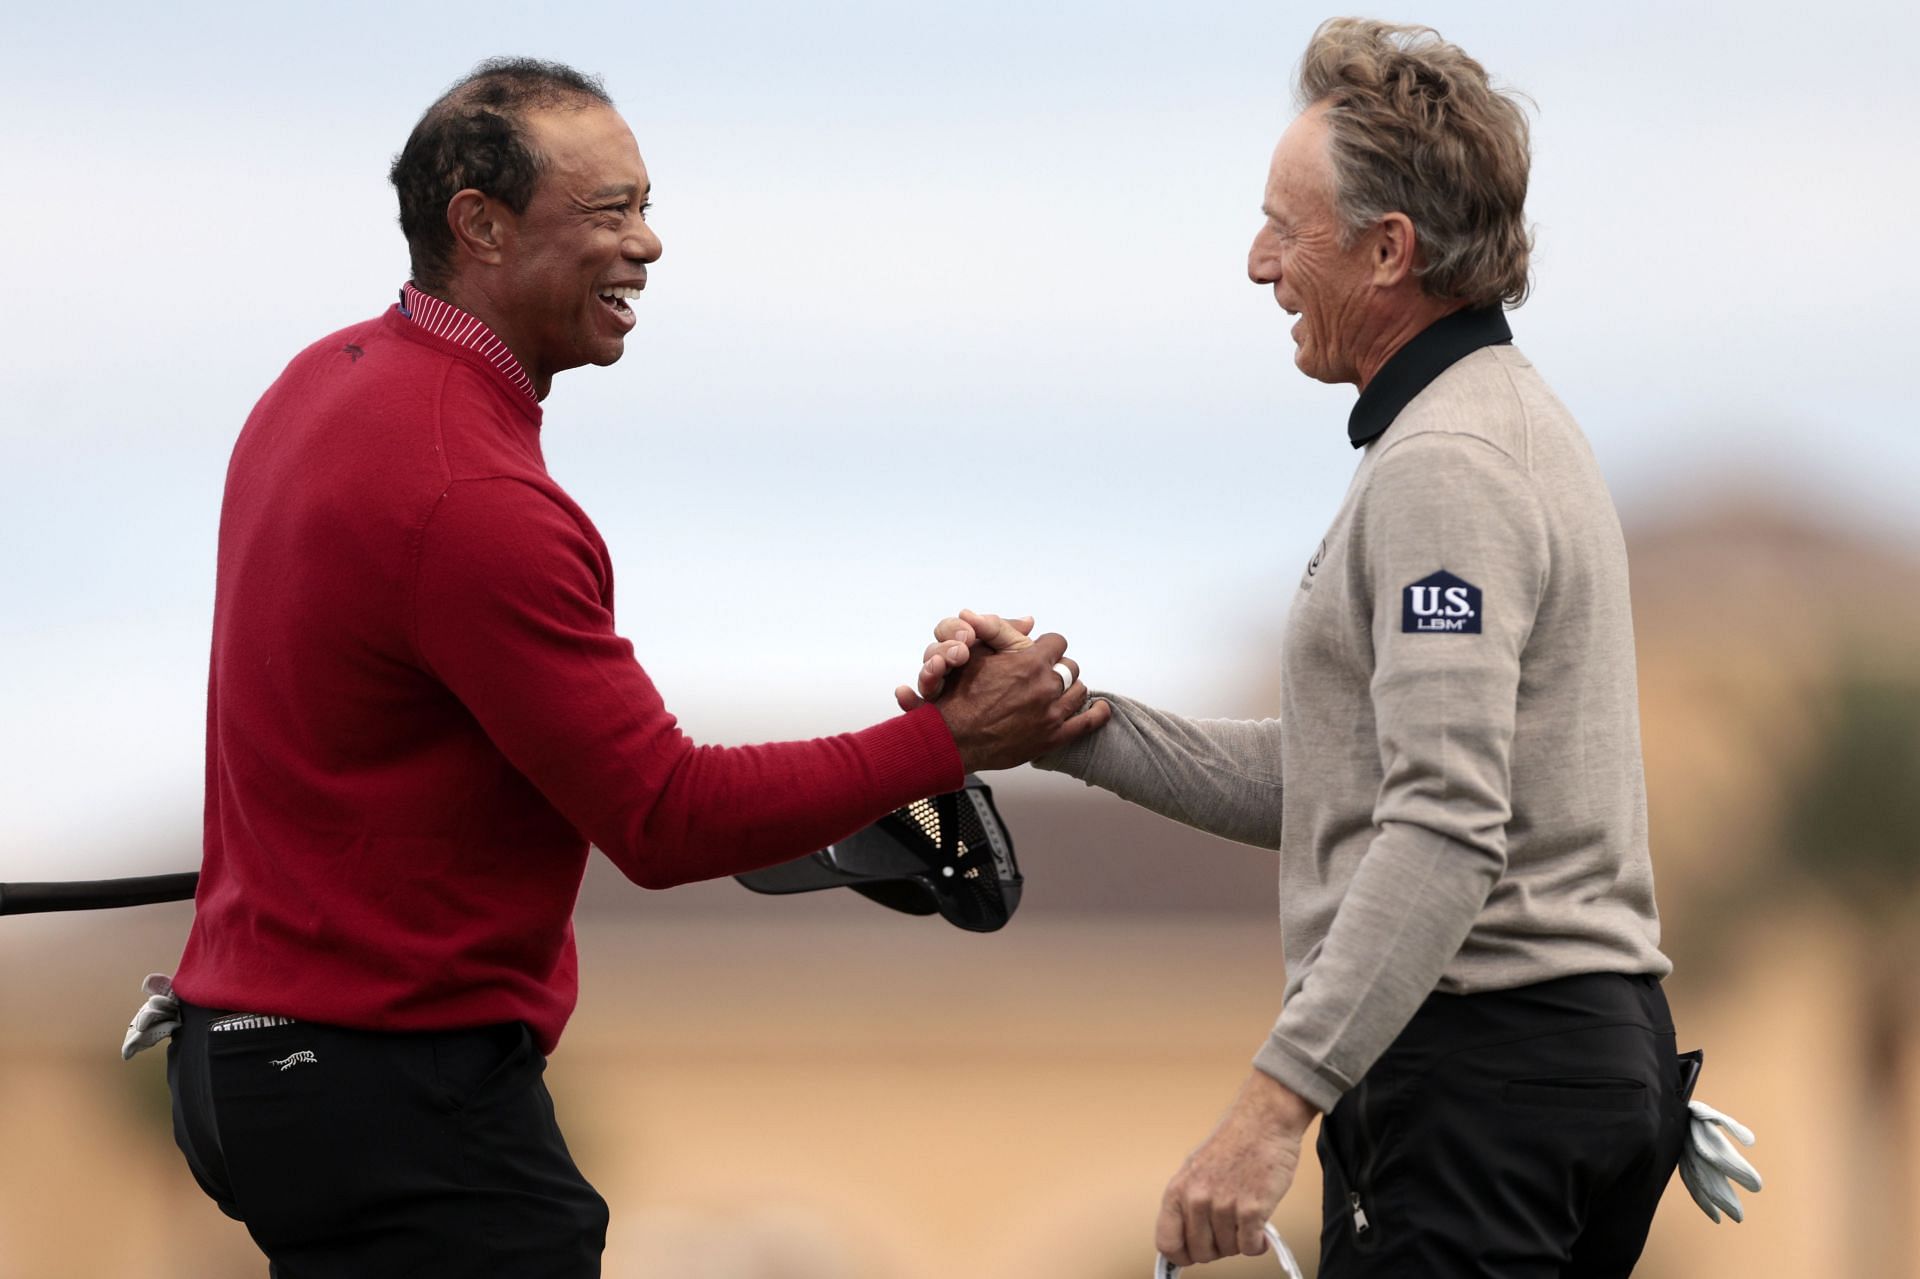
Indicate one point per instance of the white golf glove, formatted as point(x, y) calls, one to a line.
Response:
point(1709, 1162)
point(158, 1018)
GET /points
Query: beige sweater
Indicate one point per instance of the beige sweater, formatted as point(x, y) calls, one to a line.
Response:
point(1454, 781)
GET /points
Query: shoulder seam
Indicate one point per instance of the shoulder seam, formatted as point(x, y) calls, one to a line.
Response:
point(1526, 415)
point(420, 529)
point(420, 541)
point(1456, 435)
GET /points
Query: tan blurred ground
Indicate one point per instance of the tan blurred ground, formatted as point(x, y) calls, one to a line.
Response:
point(792, 1089)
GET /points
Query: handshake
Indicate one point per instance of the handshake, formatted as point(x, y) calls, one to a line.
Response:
point(1007, 698)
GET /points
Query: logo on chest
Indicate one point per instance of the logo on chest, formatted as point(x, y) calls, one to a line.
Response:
point(1313, 567)
point(1440, 603)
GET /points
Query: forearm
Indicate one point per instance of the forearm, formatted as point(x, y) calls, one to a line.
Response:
point(718, 810)
point(1218, 775)
point(1405, 915)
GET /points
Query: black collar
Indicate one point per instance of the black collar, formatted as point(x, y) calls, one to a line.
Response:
point(1431, 352)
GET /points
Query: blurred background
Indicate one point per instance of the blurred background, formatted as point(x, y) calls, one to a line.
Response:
point(953, 312)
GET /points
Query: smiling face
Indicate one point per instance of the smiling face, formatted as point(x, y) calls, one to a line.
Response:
point(1298, 251)
point(570, 264)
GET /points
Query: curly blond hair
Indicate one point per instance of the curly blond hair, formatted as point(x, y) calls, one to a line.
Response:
point(1416, 128)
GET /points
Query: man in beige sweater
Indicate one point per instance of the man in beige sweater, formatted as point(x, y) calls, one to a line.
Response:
point(1453, 783)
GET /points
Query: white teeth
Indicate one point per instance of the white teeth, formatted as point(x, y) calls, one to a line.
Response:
point(625, 293)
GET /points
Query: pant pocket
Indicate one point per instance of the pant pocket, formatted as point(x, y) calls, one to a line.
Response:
point(473, 1067)
point(1578, 1092)
point(1349, 1148)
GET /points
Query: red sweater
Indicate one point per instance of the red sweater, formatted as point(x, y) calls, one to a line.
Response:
point(419, 713)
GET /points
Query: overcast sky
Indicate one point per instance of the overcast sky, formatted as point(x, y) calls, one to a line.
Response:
point(953, 310)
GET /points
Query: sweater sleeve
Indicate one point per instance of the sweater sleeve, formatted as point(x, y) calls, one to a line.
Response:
point(1455, 560)
point(1219, 775)
point(509, 616)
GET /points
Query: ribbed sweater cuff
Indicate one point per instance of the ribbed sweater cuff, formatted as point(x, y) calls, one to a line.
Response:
point(1074, 759)
point(913, 755)
point(1319, 1085)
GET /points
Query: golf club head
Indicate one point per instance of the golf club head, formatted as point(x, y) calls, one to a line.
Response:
point(948, 855)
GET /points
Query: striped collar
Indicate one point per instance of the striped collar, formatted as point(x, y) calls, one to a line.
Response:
point(445, 320)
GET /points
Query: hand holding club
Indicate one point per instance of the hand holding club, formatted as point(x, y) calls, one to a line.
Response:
point(1217, 1205)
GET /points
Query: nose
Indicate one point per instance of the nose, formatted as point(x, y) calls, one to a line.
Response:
point(640, 243)
point(1263, 258)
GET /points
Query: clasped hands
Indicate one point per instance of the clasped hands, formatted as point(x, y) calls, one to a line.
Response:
point(1006, 697)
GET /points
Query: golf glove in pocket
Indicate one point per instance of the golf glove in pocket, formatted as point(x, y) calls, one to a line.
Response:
point(158, 1018)
point(1709, 1163)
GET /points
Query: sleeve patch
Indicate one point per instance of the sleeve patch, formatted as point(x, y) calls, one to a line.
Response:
point(1440, 604)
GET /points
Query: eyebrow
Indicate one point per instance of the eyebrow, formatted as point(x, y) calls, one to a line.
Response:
point(624, 190)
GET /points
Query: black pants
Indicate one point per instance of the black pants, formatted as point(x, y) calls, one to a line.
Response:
point(1522, 1134)
point(354, 1153)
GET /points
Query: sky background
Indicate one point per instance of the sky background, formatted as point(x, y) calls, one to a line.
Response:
point(953, 310)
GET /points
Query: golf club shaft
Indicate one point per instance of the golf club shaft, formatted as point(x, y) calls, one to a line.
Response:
point(97, 894)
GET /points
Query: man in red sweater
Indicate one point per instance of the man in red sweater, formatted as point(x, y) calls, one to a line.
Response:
point(420, 715)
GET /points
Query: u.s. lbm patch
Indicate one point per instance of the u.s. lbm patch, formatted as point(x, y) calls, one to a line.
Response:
point(1440, 604)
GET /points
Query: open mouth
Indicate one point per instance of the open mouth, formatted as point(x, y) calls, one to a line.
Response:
point(616, 298)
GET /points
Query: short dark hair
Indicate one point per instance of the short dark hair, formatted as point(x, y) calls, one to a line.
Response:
point(475, 136)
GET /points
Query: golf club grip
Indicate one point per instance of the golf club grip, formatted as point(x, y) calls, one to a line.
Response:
point(1164, 1269)
point(97, 894)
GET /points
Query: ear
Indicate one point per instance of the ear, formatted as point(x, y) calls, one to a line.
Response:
point(1395, 250)
point(480, 224)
